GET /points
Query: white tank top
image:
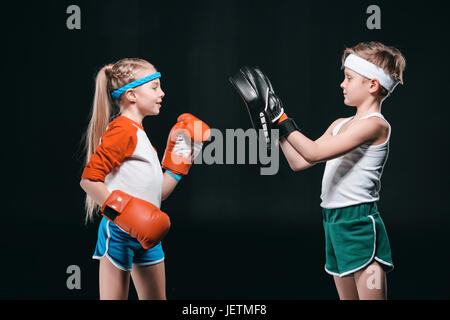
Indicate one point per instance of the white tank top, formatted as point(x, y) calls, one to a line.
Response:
point(354, 178)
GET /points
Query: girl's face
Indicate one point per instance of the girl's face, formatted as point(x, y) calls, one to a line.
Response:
point(356, 88)
point(149, 95)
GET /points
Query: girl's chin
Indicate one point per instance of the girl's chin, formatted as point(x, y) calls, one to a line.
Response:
point(154, 112)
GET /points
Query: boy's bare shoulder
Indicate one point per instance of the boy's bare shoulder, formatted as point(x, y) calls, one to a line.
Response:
point(378, 122)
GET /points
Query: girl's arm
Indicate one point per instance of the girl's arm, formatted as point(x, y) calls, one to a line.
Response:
point(99, 193)
point(296, 161)
point(330, 147)
point(169, 183)
point(96, 190)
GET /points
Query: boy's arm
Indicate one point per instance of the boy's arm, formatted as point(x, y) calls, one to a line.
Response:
point(330, 147)
point(295, 159)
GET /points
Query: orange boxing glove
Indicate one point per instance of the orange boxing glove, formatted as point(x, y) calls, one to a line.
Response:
point(184, 143)
point(137, 217)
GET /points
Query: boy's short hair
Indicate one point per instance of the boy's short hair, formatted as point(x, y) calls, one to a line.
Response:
point(390, 59)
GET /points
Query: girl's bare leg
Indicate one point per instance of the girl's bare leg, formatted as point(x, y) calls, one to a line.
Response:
point(150, 281)
point(114, 283)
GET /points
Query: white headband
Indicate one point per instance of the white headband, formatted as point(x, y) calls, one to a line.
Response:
point(371, 71)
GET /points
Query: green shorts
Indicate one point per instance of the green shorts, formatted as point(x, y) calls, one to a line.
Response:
point(354, 237)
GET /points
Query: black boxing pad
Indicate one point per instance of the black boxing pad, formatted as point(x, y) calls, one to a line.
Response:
point(254, 87)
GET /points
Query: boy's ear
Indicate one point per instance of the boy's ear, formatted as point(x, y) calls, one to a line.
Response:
point(374, 86)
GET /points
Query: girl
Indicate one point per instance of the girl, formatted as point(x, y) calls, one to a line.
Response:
point(122, 165)
point(355, 150)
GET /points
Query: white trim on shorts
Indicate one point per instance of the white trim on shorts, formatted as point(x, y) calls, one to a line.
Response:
point(370, 260)
point(144, 264)
point(106, 252)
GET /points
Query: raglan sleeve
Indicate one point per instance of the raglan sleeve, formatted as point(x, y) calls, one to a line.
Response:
point(116, 144)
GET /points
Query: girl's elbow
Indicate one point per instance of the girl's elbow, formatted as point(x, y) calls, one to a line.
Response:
point(86, 184)
point(83, 184)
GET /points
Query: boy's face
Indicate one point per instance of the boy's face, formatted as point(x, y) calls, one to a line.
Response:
point(355, 88)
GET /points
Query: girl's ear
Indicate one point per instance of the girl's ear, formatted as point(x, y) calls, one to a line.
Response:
point(130, 95)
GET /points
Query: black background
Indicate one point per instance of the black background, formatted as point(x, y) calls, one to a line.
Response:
point(235, 234)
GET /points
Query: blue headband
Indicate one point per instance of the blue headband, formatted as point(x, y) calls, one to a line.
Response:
point(116, 94)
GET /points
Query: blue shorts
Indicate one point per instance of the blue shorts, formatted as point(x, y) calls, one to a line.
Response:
point(122, 249)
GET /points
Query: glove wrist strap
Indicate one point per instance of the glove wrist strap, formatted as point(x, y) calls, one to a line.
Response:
point(115, 204)
point(110, 213)
point(287, 126)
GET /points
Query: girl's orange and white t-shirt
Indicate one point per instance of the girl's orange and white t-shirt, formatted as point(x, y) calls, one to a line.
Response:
point(126, 160)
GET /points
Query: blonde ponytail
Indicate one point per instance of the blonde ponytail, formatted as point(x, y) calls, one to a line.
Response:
point(100, 117)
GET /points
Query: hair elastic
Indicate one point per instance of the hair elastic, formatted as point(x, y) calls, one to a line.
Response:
point(371, 71)
point(116, 94)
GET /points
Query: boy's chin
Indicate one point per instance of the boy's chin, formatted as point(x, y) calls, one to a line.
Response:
point(349, 103)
